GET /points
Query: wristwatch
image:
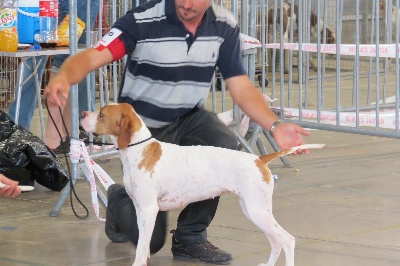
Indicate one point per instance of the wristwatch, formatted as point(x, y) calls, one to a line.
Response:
point(274, 126)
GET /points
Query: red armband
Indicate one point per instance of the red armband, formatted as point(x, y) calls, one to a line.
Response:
point(113, 43)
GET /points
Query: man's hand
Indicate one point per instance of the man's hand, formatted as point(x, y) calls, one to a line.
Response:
point(288, 135)
point(57, 90)
point(74, 69)
point(10, 189)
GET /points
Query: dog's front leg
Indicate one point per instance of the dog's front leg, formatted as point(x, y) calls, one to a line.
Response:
point(146, 218)
point(287, 57)
point(286, 52)
point(313, 65)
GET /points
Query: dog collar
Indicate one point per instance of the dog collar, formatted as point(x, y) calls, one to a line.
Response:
point(137, 143)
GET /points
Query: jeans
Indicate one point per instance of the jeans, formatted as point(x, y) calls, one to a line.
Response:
point(28, 91)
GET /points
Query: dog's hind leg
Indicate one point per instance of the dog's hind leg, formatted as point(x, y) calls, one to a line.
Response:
point(276, 249)
point(278, 237)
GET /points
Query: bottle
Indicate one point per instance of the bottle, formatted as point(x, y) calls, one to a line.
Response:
point(48, 20)
point(8, 26)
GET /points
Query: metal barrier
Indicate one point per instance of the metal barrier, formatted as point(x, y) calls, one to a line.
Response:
point(354, 87)
point(107, 88)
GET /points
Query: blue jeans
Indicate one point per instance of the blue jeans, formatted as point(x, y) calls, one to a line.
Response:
point(28, 92)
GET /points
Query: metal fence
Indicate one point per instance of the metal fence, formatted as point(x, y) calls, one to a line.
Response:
point(107, 79)
point(348, 84)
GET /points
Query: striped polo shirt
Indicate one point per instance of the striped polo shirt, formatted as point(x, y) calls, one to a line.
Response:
point(169, 70)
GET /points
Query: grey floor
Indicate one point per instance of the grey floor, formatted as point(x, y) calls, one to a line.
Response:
point(341, 203)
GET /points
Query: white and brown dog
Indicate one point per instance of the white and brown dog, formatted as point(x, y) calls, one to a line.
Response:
point(326, 34)
point(163, 176)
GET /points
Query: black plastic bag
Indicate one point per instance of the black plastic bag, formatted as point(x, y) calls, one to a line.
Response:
point(25, 158)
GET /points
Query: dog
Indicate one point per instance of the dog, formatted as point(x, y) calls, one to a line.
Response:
point(327, 35)
point(383, 14)
point(285, 35)
point(163, 176)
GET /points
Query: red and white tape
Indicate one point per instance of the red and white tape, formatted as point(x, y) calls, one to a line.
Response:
point(78, 150)
point(387, 118)
point(370, 50)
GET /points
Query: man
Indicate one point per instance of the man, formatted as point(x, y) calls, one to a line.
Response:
point(174, 47)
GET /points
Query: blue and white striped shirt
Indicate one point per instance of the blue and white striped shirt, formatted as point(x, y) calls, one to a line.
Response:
point(169, 71)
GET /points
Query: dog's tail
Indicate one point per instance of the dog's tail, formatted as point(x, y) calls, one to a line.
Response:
point(269, 157)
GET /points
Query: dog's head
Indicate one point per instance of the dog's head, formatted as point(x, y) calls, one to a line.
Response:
point(119, 120)
point(270, 24)
point(382, 8)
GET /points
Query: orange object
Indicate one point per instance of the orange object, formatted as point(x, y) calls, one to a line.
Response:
point(8, 30)
point(63, 31)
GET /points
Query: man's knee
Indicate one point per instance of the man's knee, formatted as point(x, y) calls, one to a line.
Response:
point(228, 142)
point(159, 232)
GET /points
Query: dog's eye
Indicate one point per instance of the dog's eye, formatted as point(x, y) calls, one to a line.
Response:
point(101, 115)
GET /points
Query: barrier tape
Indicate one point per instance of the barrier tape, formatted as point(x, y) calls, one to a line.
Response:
point(369, 50)
point(77, 150)
point(387, 119)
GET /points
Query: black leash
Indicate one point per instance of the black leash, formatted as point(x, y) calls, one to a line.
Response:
point(72, 190)
point(137, 143)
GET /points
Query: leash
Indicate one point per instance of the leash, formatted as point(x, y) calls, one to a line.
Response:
point(137, 143)
point(72, 190)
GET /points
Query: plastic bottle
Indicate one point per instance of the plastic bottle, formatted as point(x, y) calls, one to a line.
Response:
point(48, 20)
point(8, 26)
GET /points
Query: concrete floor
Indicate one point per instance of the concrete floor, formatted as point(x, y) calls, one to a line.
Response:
point(340, 202)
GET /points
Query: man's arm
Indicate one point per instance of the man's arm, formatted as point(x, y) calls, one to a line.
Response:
point(250, 100)
point(72, 71)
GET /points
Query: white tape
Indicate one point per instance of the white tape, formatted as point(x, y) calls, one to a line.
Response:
point(308, 146)
point(110, 36)
point(78, 149)
point(370, 50)
point(368, 119)
point(23, 188)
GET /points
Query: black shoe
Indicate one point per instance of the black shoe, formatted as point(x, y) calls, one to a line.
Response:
point(204, 252)
point(63, 148)
point(112, 230)
point(97, 140)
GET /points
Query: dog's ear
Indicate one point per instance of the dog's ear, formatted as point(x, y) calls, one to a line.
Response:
point(125, 133)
